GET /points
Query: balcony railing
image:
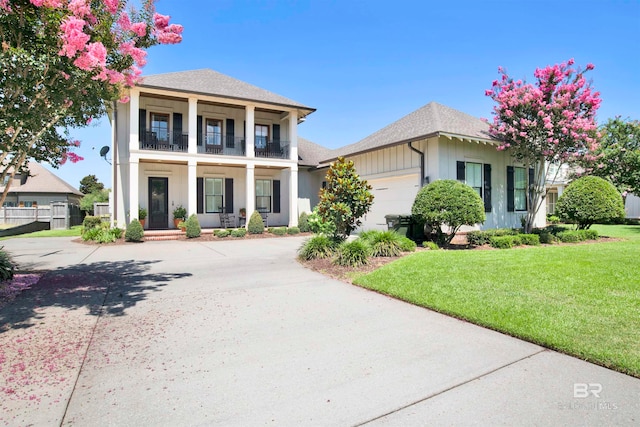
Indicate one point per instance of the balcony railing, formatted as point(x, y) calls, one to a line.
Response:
point(213, 144)
point(164, 141)
point(236, 146)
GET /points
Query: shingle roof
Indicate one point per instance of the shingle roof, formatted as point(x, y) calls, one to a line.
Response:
point(210, 82)
point(430, 120)
point(310, 153)
point(41, 180)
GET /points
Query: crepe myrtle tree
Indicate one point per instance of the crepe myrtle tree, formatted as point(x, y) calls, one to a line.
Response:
point(549, 122)
point(62, 63)
point(345, 199)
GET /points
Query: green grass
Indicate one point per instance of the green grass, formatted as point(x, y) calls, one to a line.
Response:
point(72, 232)
point(582, 299)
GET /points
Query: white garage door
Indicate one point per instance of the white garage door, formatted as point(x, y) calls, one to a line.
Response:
point(392, 196)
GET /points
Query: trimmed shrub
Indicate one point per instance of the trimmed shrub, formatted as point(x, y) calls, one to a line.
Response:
point(432, 246)
point(482, 237)
point(193, 227)
point(504, 242)
point(134, 232)
point(91, 222)
point(384, 244)
point(448, 203)
point(553, 219)
point(256, 226)
point(279, 231)
point(303, 222)
point(6, 266)
point(546, 237)
point(529, 239)
point(269, 229)
point(293, 230)
point(222, 233)
point(352, 254)
point(238, 232)
point(591, 234)
point(590, 200)
point(407, 245)
point(571, 236)
point(318, 246)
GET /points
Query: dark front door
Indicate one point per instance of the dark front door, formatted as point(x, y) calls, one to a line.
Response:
point(158, 202)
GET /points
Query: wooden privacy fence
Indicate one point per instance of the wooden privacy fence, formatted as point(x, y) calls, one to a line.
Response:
point(60, 215)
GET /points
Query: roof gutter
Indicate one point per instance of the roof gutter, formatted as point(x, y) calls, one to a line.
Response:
point(421, 154)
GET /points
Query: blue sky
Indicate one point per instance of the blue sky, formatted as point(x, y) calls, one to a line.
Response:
point(364, 64)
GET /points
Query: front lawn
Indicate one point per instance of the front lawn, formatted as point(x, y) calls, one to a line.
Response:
point(71, 232)
point(581, 299)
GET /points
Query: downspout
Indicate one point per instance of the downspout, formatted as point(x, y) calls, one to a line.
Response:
point(412, 148)
point(114, 156)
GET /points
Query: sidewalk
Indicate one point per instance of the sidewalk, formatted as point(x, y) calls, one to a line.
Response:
point(238, 333)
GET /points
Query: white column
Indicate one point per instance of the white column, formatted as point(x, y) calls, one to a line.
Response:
point(134, 120)
point(251, 191)
point(293, 196)
point(193, 126)
point(134, 201)
point(250, 132)
point(192, 206)
point(293, 137)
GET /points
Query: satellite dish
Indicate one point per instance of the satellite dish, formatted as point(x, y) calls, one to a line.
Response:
point(103, 153)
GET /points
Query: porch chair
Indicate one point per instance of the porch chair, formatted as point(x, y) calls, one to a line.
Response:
point(265, 216)
point(227, 220)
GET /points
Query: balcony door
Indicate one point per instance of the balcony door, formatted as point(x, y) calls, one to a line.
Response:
point(213, 136)
point(158, 203)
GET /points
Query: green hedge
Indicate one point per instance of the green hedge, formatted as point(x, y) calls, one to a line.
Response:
point(505, 242)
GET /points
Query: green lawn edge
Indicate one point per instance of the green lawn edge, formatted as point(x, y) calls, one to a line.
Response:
point(579, 299)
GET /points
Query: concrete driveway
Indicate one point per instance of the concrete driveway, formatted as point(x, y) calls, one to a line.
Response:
point(238, 333)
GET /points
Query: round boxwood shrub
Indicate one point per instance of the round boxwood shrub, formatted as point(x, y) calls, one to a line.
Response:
point(448, 203)
point(134, 232)
point(256, 226)
point(222, 233)
point(238, 232)
point(279, 231)
point(590, 200)
point(293, 230)
point(193, 227)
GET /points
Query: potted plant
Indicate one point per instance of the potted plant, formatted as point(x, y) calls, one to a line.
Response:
point(179, 214)
point(142, 215)
point(182, 225)
point(243, 212)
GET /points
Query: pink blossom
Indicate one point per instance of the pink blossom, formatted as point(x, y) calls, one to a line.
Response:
point(124, 99)
point(73, 37)
point(488, 92)
point(139, 28)
point(160, 21)
point(80, 8)
point(4, 5)
point(590, 66)
point(112, 6)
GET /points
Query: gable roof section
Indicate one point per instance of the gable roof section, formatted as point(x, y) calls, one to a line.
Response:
point(41, 180)
point(310, 153)
point(213, 83)
point(430, 120)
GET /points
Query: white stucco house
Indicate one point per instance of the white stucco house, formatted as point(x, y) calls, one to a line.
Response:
point(208, 142)
point(214, 144)
point(439, 142)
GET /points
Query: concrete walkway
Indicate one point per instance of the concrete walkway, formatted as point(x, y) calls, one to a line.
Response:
point(238, 333)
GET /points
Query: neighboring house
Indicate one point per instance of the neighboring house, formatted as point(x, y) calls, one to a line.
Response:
point(39, 187)
point(210, 143)
point(312, 171)
point(558, 177)
point(438, 142)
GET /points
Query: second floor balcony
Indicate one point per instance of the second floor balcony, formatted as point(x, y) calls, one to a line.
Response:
point(212, 144)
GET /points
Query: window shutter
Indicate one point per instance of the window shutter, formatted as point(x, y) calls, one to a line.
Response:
point(276, 138)
point(487, 187)
point(199, 126)
point(460, 171)
point(276, 196)
point(530, 192)
point(231, 133)
point(177, 123)
point(142, 124)
point(228, 195)
point(511, 203)
point(200, 195)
